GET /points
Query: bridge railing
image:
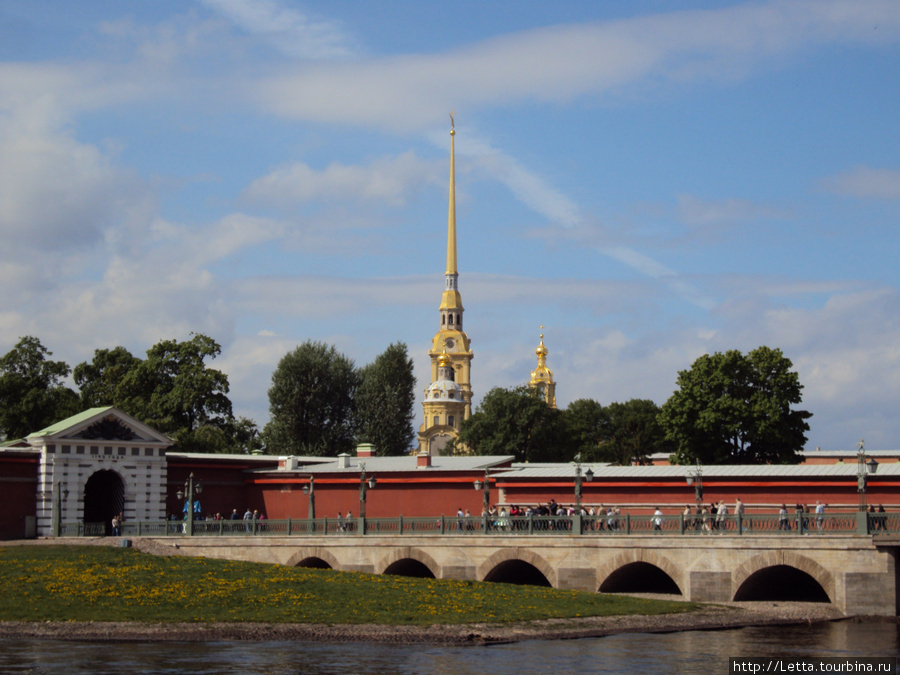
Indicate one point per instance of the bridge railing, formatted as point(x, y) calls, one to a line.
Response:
point(82, 529)
point(590, 525)
point(882, 523)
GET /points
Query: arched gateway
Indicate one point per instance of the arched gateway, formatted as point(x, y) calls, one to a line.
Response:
point(104, 498)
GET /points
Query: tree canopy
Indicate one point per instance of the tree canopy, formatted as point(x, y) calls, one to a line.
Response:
point(184, 393)
point(619, 433)
point(633, 432)
point(385, 401)
point(730, 408)
point(586, 424)
point(100, 382)
point(312, 402)
point(172, 390)
point(515, 422)
point(32, 393)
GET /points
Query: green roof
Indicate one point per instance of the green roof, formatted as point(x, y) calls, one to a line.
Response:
point(62, 425)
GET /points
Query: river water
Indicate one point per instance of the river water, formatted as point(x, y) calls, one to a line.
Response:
point(704, 652)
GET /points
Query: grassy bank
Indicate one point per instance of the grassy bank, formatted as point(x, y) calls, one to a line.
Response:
point(98, 583)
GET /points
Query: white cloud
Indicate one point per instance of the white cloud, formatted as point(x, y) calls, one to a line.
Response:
point(865, 182)
point(249, 362)
point(559, 63)
point(845, 349)
point(700, 213)
point(600, 297)
point(314, 297)
point(234, 233)
point(527, 186)
point(57, 193)
point(388, 179)
point(288, 30)
point(656, 270)
point(161, 286)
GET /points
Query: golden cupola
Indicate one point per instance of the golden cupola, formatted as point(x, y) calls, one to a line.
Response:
point(542, 376)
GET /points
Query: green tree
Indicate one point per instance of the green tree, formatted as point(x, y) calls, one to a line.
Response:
point(312, 402)
point(633, 432)
point(385, 401)
point(515, 422)
point(32, 393)
point(172, 390)
point(186, 394)
point(245, 437)
point(731, 408)
point(586, 423)
point(238, 437)
point(100, 381)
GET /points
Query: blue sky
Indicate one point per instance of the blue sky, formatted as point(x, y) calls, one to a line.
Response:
point(650, 181)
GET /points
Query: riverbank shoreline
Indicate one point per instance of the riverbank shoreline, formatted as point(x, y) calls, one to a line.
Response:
point(711, 617)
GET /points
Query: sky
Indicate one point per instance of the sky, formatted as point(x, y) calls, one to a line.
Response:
point(649, 181)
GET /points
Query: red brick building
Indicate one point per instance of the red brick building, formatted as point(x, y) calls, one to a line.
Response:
point(57, 471)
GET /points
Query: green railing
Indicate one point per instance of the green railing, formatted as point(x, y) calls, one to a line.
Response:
point(597, 525)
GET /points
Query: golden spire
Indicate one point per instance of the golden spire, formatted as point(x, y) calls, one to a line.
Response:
point(451, 302)
point(451, 216)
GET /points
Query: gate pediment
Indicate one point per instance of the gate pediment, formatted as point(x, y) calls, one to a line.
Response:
point(100, 424)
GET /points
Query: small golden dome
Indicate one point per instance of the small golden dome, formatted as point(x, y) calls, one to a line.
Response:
point(541, 350)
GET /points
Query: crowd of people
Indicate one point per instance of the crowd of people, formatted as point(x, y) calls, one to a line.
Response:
point(714, 518)
point(706, 518)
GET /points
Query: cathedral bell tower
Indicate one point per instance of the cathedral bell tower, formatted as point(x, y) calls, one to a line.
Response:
point(448, 399)
point(542, 376)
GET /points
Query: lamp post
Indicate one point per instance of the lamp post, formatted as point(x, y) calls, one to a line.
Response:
point(588, 476)
point(364, 485)
point(189, 490)
point(485, 488)
point(311, 491)
point(695, 479)
point(863, 469)
point(59, 494)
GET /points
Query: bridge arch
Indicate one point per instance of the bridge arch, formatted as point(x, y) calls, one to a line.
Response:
point(408, 562)
point(313, 556)
point(782, 565)
point(510, 557)
point(607, 574)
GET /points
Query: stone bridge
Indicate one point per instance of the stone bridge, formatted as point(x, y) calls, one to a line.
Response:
point(857, 574)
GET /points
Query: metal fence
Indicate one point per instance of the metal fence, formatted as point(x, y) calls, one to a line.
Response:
point(595, 525)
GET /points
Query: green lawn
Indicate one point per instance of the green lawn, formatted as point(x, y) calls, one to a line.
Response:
point(99, 583)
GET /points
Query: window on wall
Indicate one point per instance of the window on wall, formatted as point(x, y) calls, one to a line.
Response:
point(451, 421)
point(437, 420)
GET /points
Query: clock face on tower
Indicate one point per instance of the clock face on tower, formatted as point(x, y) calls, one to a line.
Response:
point(450, 343)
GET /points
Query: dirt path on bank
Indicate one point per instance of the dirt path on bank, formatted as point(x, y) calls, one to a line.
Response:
point(733, 615)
